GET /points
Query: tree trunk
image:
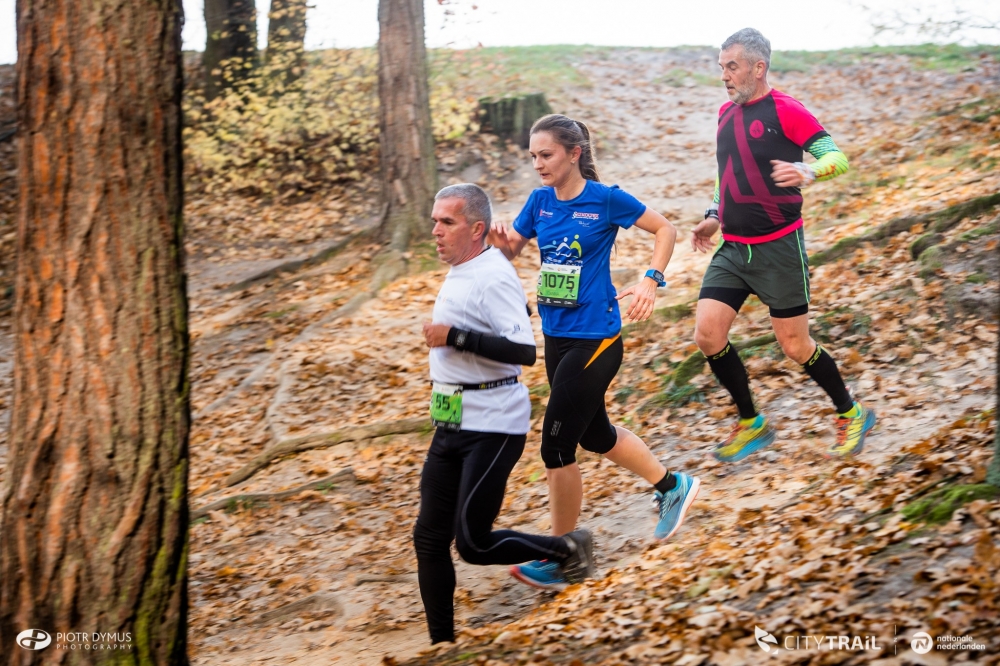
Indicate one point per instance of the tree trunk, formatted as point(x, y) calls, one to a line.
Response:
point(94, 516)
point(409, 169)
point(231, 44)
point(512, 117)
point(286, 36)
point(993, 471)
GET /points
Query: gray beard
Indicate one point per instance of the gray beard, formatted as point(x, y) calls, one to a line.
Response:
point(745, 94)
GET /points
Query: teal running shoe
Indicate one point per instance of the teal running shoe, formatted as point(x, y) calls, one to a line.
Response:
point(745, 438)
point(543, 574)
point(673, 505)
point(852, 429)
point(549, 575)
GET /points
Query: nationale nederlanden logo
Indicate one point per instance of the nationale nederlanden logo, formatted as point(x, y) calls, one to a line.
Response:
point(34, 639)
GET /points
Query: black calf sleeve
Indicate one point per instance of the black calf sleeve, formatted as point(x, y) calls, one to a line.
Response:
point(822, 368)
point(731, 373)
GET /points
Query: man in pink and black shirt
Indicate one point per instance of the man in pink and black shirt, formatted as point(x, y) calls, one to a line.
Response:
point(758, 206)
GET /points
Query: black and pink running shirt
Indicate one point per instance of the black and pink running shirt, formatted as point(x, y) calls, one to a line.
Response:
point(752, 208)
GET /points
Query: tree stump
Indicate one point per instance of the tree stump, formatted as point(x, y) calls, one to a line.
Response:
point(512, 117)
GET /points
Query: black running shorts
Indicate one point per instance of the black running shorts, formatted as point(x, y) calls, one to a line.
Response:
point(580, 372)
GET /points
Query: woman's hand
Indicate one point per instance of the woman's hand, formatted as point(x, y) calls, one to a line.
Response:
point(701, 235)
point(506, 240)
point(644, 296)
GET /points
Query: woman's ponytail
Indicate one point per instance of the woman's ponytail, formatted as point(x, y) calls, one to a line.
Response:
point(588, 163)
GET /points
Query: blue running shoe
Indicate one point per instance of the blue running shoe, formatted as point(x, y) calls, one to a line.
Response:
point(549, 575)
point(543, 574)
point(674, 504)
point(747, 436)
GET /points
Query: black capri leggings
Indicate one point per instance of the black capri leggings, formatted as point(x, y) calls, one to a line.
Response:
point(580, 372)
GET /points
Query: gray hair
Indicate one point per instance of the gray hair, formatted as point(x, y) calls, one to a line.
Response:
point(756, 47)
point(475, 202)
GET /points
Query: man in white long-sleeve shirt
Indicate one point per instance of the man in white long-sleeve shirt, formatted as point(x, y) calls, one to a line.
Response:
point(479, 339)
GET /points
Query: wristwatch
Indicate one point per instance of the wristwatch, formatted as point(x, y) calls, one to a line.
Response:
point(712, 212)
point(657, 277)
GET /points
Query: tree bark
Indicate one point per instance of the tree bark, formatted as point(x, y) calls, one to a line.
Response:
point(409, 169)
point(993, 471)
point(231, 43)
point(286, 38)
point(94, 515)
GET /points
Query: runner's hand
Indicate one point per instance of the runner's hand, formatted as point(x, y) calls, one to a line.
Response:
point(436, 335)
point(498, 238)
point(644, 295)
point(701, 235)
point(784, 174)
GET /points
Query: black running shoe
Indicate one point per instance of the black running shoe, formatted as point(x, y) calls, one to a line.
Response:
point(580, 564)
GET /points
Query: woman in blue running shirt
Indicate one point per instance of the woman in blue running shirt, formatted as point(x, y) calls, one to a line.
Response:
point(576, 218)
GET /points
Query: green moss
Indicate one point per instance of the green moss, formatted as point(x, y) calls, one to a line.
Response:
point(675, 312)
point(939, 506)
point(985, 230)
point(977, 278)
point(681, 395)
point(623, 394)
point(688, 369)
point(930, 262)
point(278, 314)
point(540, 390)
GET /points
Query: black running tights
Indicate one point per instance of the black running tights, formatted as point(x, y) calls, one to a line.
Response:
point(461, 492)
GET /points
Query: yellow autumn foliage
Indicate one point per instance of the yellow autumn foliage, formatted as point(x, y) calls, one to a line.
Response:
point(263, 137)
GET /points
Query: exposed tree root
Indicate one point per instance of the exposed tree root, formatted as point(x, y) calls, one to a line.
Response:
point(318, 602)
point(323, 440)
point(258, 373)
point(324, 255)
point(935, 222)
point(384, 578)
point(694, 363)
point(938, 506)
point(258, 498)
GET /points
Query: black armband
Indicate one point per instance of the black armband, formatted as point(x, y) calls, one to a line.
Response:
point(493, 347)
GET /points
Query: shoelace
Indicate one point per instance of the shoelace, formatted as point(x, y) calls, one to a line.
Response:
point(733, 434)
point(844, 429)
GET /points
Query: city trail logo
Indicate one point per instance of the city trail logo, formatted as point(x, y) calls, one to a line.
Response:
point(794, 643)
point(34, 639)
point(544, 213)
point(763, 638)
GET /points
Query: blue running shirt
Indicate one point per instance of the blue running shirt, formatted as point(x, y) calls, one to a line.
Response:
point(575, 238)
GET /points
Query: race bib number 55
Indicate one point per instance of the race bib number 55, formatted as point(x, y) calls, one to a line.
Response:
point(446, 406)
point(559, 285)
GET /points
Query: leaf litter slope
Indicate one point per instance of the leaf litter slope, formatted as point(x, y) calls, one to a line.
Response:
point(765, 536)
point(280, 359)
